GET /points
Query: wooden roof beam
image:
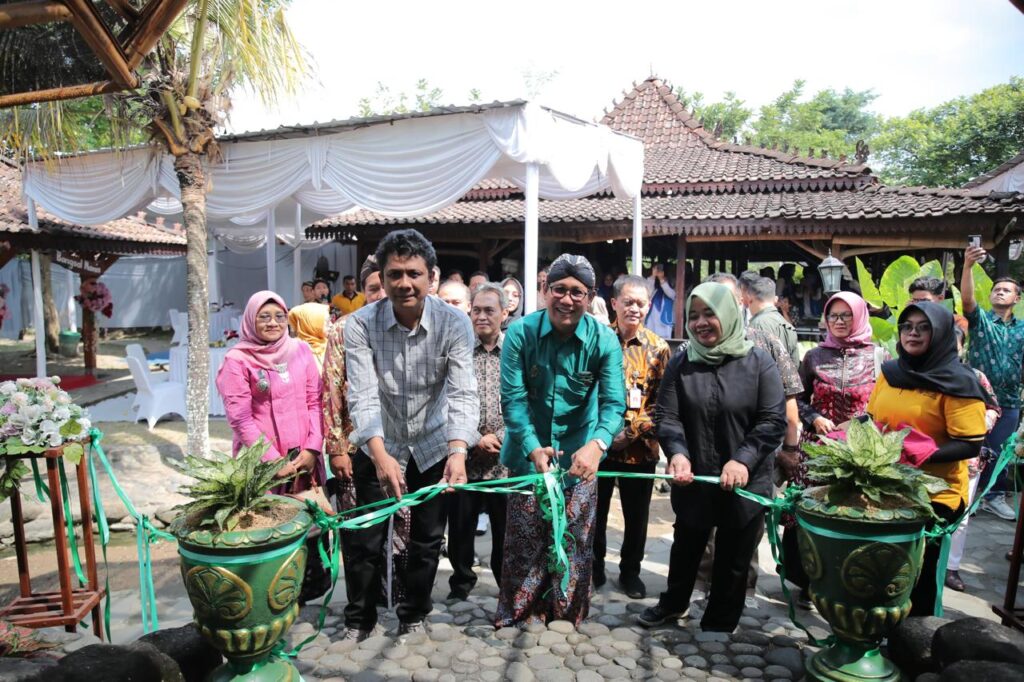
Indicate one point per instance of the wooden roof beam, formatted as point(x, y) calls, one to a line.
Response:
point(97, 36)
point(123, 8)
point(17, 14)
point(157, 16)
point(23, 98)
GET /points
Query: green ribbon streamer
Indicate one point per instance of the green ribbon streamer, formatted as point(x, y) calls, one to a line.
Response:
point(227, 560)
point(102, 527)
point(69, 523)
point(146, 534)
point(551, 501)
point(42, 490)
point(944, 533)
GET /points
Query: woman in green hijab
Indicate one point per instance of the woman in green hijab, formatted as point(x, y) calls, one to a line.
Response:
point(720, 412)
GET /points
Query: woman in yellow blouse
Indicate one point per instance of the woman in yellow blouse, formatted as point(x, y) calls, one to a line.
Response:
point(929, 389)
point(309, 321)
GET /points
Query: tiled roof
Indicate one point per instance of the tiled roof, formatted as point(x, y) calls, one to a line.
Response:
point(128, 235)
point(875, 202)
point(680, 150)
point(996, 172)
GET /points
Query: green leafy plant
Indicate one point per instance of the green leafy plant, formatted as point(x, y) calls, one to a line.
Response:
point(866, 468)
point(227, 489)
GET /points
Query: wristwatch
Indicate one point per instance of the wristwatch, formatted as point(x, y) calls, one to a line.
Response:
point(457, 450)
point(601, 444)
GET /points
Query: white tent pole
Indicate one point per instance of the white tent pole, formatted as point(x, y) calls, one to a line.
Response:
point(37, 315)
point(638, 237)
point(271, 252)
point(72, 317)
point(297, 258)
point(37, 294)
point(532, 235)
point(214, 273)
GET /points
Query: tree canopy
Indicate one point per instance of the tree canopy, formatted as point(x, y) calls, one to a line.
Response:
point(944, 145)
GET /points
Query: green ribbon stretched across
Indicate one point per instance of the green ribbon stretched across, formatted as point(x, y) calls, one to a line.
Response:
point(551, 501)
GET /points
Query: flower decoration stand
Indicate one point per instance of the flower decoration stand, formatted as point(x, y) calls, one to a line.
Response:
point(67, 606)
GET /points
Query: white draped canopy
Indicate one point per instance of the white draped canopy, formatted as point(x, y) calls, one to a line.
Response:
point(399, 166)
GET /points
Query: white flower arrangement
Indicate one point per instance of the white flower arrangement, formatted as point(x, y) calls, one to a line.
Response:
point(35, 415)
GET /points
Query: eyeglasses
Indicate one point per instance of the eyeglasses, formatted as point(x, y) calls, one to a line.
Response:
point(839, 317)
point(920, 327)
point(560, 290)
point(280, 318)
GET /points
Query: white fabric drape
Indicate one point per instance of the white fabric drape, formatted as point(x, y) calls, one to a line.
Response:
point(401, 168)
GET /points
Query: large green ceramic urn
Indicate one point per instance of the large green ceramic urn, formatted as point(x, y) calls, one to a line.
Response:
point(863, 564)
point(244, 586)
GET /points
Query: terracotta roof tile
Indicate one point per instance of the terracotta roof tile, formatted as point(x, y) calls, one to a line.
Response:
point(652, 113)
point(132, 234)
point(876, 202)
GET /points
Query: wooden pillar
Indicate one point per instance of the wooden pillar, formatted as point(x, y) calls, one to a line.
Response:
point(1002, 258)
point(680, 286)
point(482, 257)
point(90, 340)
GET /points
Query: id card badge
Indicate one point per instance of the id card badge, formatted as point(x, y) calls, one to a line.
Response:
point(634, 398)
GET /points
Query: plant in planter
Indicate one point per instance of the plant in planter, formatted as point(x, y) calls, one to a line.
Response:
point(861, 541)
point(243, 558)
point(37, 417)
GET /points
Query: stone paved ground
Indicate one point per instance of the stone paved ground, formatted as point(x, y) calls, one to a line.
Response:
point(461, 642)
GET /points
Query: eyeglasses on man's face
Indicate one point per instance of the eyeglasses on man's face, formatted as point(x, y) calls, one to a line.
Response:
point(910, 327)
point(560, 290)
point(266, 318)
point(839, 317)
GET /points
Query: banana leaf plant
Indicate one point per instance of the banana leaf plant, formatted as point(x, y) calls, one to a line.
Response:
point(891, 294)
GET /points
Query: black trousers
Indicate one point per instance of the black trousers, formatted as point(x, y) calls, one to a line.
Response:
point(426, 531)
point(795, 572)
point(464, 508)
point(733, 550)
point(635, 496)
point(922, 599)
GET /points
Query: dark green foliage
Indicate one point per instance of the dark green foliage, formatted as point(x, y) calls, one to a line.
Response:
point(867, 464)
point(228, 487)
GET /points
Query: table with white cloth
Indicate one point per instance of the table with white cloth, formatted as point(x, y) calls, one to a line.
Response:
point(222, 321)
point(179, 372)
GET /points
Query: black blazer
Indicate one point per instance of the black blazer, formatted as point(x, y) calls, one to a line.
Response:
point(713, 414)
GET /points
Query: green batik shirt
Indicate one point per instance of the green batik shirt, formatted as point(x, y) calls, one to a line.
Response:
point(997, 349)
point(558, 393)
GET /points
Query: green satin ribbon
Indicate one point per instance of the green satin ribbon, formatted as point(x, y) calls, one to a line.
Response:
point(546, 487)
point(229, 560)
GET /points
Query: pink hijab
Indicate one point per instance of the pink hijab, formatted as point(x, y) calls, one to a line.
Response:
point(254, 349)
point(860, 334)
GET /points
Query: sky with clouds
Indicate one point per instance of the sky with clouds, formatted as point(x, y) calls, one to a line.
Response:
point(912, 53)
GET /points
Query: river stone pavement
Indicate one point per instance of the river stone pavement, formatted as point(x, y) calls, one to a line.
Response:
point(461, 643)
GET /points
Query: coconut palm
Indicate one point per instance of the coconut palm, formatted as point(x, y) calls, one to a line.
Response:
point(214, 48)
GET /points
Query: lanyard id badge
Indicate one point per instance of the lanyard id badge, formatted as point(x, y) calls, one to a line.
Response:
point(634, 398)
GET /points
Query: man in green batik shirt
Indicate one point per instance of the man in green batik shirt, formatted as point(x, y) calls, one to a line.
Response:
point(563, 400)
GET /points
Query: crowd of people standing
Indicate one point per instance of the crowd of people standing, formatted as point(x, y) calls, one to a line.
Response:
point(419, 381)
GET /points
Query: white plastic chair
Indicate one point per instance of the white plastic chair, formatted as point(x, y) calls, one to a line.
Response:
point(134, 350)
point(153, 401)
point(179, 323)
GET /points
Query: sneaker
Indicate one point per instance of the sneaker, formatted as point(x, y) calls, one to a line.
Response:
point(355, 635)
point(954, 582)
point(411, 628)
point(997, 505)
point(658, 615)
point(599, 578)
point(633, 587)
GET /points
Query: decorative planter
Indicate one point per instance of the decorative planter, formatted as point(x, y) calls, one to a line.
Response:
point(863, 565)
point(244, 586)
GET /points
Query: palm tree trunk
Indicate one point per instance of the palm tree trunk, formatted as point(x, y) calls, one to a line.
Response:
point(51, 318)
point(192, 181)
